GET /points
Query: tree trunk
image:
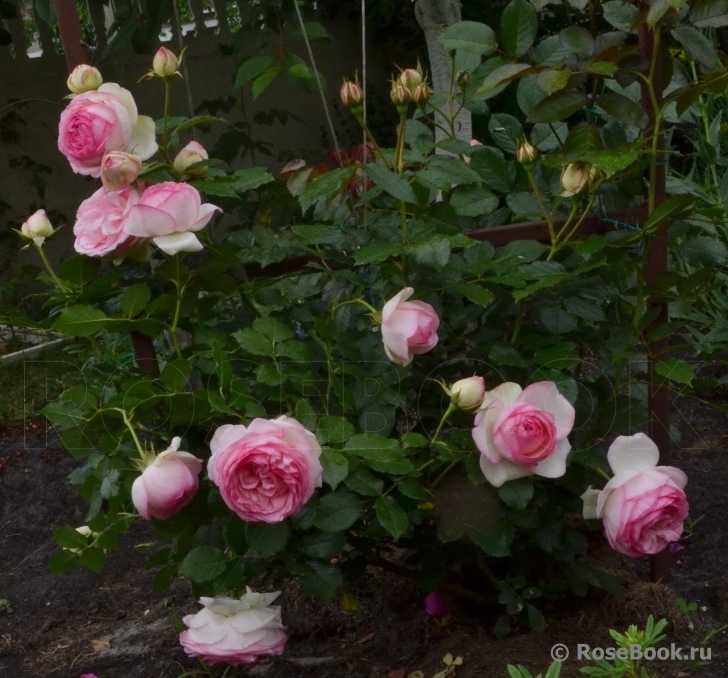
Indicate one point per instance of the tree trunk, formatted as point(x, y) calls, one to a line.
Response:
point(434, 16)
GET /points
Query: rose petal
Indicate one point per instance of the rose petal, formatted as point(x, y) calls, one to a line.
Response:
point(632, 453)
point(178, 242)
point(545, 394)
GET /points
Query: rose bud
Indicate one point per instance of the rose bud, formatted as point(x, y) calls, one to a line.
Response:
point(595, 177)
point(643, 506)
point(462, 79)
point(409, 328)
point(84, 78)
point(574, 179)
point(467, 394)
point(234, 631)
point(351, 94)
point(165, 62)
point(421, 94)
point(436, 605)
point(168, 482)
point(191, 154)
point(399, 94)
point(37, 228)
point(119, 169)
point(411, 78)
point(526, 154)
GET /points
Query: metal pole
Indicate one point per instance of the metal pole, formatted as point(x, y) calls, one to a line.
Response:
point(656, 263)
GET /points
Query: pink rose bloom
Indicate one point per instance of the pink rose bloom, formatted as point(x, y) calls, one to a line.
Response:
point(266, 471)
point(235, 631)
point(166, 484)
point(644, 505)
point(100, 121)
point(436, 605)
point(99, 227)
point(409, 328)
point(168, 213)
point(523, 432)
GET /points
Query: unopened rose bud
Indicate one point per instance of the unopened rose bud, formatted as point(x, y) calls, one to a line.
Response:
point(119, 169)
point(462, 79)
point(399, 94)
point(84, 78)
point(165, 62)
point(574, 179)
point(526, 154)
point(421, 94)
point(351, 94)
point(467, 394)
point(37, 228)
point(595, 176)
point(191, 154)
point(411, 78)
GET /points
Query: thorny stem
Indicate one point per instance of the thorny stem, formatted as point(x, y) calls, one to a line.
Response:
point(178, 307)
point(50, 270)
point(166, 117)
point(128, 424)
point(335, 307)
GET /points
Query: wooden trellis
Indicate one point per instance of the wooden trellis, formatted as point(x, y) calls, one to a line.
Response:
point(659, 397)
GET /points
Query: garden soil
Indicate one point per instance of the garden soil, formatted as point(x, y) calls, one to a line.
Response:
point(113, 624)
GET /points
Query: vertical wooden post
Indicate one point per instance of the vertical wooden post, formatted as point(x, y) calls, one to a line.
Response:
point(71, 35)
point(659, 396)
point(69, 27)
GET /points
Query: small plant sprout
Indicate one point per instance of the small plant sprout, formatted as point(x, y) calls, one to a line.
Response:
point(450, 664)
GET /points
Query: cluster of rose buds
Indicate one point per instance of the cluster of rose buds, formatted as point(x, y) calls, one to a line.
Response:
point(410, 85)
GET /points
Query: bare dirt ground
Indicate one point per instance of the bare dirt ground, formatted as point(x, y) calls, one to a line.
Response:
point(114, 625)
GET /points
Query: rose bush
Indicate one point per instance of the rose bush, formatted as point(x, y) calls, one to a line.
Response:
point(311, 340)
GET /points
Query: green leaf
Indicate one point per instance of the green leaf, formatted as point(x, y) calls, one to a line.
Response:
point(254, 342)
point(676, 370)
point(622, 16)
point(266, 538)
point(203, 564)
point(703, 250)
point(272, 329)
point(391, 516)
point(696, 45)
point(249, 178)
point(392, 183)
point(338, 511)
point(329, 185)
point(499, 76)
point(63, 561)
point(263, 80)
point(306, 415)
point(577, 40)
point(68, 538)
point(558, 106)
point(46, 11)
point(196, 120)
point(551, 81)
point(674, 207)
point(491, 165)
point(80, 321)
point(710, 14)
point(363, 481)
point(324, 544)
point(517, 493)
point(473, 201)
point(80, 269)
point(477, 294)
point(469, 36)
point(519, 252)
point(412, 489)
point(495, 542)
point(334, 429)
point(519, 24)
point(435, 253)
point(251, 68)
point(335, 465)
point(622, 109)
point(583, 141)
point(323, 580)
point(234, 533)
point(376, 252)
point(93, 559)
point(135, 299)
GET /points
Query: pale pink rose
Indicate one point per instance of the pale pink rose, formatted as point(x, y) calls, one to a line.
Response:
point(168, 213)
point(266, 471)
point(234, 631)
point(97, 122)
point(523, 432)
point(409, 328)
point(191, 154)
point(644, 505)
point(99, 227)
point(436, 605)
point(84, 78)
point(119, 169)
point(167, 483)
